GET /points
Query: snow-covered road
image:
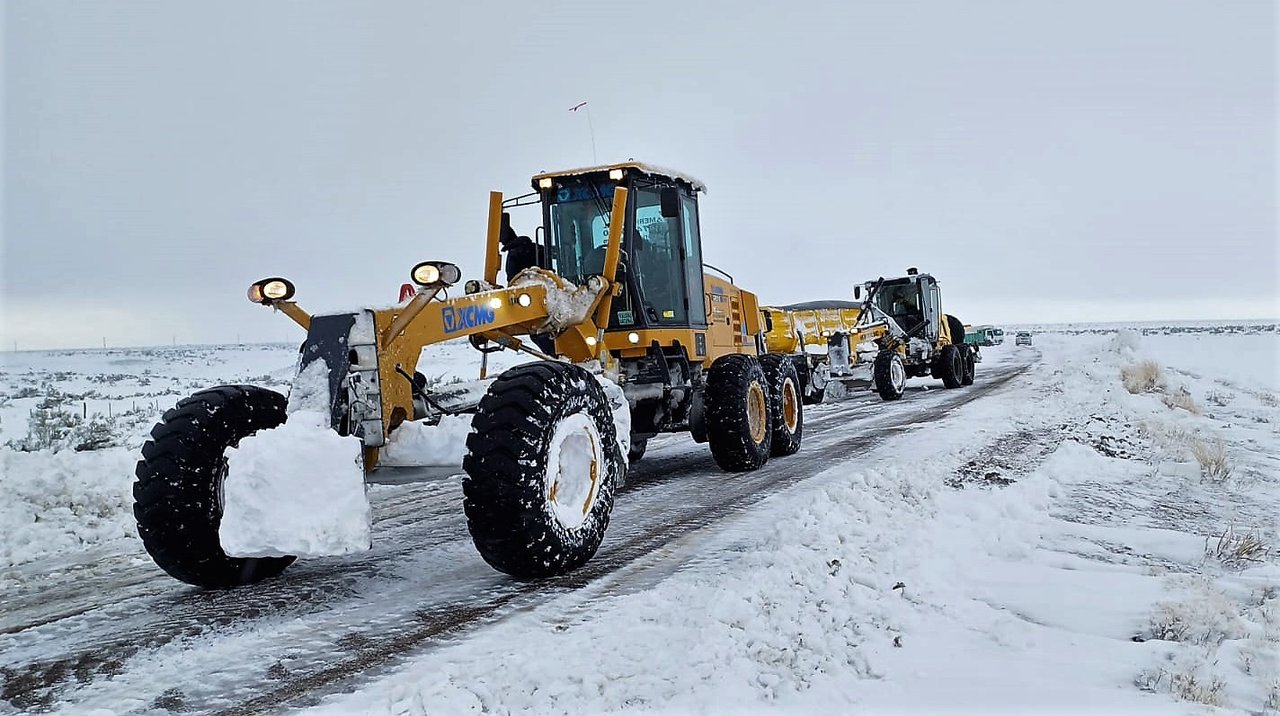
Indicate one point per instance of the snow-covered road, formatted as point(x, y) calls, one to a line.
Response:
point(105, 629)
point(1093, 527)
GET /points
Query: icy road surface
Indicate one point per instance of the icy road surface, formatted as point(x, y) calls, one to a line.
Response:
point(109, 630)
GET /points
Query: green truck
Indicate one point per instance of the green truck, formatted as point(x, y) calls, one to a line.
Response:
point(983, 335)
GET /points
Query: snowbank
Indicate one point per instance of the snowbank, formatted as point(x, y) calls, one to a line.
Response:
point(61, 502)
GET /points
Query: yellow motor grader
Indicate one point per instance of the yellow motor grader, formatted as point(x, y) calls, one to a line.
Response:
point(622, 290)
point(918, 338)
point(823, 339)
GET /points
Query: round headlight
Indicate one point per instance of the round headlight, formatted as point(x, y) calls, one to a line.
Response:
point(270, 289)
point(275, 290)
point(426, 274)
point(633, 337)
point(590, 340)
point(495, 303)
point(524, 299)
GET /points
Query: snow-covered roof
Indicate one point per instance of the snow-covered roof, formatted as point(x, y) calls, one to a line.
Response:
point(643, 167)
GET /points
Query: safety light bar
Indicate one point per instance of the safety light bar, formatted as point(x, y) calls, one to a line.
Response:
point(269, 290)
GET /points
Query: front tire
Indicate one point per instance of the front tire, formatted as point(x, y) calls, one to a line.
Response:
point(739, 425)
point(785, 403)
point(178, 493)
point(542, 464)
point(889, 375)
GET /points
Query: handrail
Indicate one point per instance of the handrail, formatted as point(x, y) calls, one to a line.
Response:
point(719, 271)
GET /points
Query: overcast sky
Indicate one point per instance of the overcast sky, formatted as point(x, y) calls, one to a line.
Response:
point(1047, 161)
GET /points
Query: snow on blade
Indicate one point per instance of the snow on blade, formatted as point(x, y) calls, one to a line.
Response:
point(310, 390)
point(298, 489)
point(415, 444)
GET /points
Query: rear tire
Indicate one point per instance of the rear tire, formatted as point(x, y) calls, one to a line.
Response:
point(542, 464)
point(785, 404)
point(950, 366)
point(636, 451)
point(889, 375)
point(738, 418)
point(970, 364)
point(178, 493)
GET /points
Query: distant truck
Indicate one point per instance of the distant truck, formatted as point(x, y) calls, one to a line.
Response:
point(983, 335)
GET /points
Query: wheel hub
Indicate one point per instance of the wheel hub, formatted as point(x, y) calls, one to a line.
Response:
point(790, 406)
point(897, 375)
point(573, 469)
point(756, 415)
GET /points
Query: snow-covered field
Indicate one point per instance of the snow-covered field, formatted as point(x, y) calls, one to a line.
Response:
point(1058, 545)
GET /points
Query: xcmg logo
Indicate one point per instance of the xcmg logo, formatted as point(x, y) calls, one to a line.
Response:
point(457, 319)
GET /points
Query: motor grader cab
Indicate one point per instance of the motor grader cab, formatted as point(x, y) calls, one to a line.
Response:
point(670, 319)
point(919, 340)
point(645, 342)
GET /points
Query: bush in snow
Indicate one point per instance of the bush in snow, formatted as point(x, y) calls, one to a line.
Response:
point(1218, 398)
point(28, 391)
point(94, 434)
point(1182, 399)
point(1189, 683)
point(1272, 704)
point(1143, 377)
point(1207, 619)
point(1235, 549)
point(1212, 457)
point(51, 426)
point(48, 427)
point(1192, 685)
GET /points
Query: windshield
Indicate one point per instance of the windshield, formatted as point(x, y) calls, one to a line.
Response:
point(579, 218)
point(901, 301)
point(580, 230)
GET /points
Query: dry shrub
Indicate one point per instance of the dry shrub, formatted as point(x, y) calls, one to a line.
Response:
point(1141, 377)
point(1212, 457)
point(1186, 684)
point(1233, 548)
point(1182, 399)
point(1219, 398)
point(1190, 686)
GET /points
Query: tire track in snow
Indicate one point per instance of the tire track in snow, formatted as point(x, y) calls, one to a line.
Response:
point(376, 600)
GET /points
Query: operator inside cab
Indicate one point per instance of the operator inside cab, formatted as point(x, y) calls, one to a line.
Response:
point(904, 306)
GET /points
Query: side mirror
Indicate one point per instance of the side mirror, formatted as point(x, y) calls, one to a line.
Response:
point(670, 199)
point(857, 293)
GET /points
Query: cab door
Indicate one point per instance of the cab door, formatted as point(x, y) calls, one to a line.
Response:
point(666, 261)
